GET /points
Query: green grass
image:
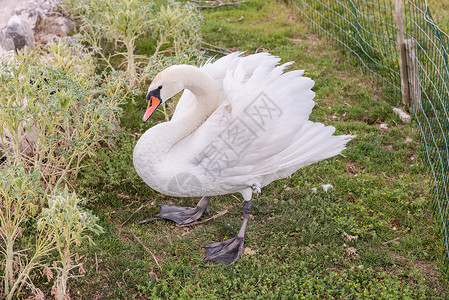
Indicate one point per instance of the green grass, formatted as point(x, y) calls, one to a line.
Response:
point(439, 10)
point(381, 195)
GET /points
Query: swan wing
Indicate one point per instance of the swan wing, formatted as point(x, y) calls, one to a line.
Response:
point(260, 132)
point(218, 70)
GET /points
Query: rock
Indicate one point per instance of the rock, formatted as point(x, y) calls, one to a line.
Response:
point(33, 12)
point(66, 25)
point(6, 41)
point(20, 32)
point(32, 21)
point(402, 115)
point(50, 28)
point(10, 8)
point(46, 38)
point(28, 140)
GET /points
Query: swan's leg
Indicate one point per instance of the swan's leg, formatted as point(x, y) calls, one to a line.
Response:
point(184, 215)
point(231, 250)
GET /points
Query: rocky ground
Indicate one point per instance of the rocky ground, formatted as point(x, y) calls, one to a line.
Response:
point(27, 22)
point(8, 8)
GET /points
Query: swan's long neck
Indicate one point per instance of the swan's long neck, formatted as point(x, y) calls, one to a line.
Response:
point(156, 143)
point(206, 102)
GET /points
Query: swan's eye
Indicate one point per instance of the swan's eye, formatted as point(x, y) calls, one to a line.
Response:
point(159, 87)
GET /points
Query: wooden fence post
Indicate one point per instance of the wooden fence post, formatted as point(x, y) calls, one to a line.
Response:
point(402, 55)
point(413, 75)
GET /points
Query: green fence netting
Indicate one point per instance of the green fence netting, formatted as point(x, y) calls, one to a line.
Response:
point(368, 29)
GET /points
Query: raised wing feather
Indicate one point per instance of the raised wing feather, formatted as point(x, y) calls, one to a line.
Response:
point(260, 132)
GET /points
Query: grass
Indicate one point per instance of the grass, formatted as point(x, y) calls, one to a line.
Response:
point(439, 10)
point(303, 243)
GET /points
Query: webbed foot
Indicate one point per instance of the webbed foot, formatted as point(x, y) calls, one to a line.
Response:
point(225, 252)
point(184, 215)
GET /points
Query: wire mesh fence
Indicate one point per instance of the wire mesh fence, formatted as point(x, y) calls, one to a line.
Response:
point(369, 29)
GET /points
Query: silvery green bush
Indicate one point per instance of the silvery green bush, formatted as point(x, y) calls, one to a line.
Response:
point(172, 29)
point(55, 110)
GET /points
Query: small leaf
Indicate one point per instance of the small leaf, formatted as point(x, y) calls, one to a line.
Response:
point(249, 251)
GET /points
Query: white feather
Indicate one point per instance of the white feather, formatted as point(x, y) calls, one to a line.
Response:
point(259, 130)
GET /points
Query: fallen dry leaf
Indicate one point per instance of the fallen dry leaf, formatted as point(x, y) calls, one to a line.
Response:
point(81, 269)
point(153, 275)
point(349, 237)
point(351, 252)
point(121, 196)
point(48, 273)
point(249, 251)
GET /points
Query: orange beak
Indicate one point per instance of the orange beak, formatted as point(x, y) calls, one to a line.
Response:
point(153, 104)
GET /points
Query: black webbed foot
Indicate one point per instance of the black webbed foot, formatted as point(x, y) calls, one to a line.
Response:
point(225, 252)
point(180, 215)
point(184, 215)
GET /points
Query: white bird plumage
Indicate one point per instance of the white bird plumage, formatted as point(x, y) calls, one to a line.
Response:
point(241, 123)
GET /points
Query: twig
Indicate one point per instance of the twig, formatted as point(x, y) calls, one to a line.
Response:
point(123, 276)
point(204, 1)
point(236, 20)
point(235, 197)
point(63, 9)
point(148, 220)
point(214, 4)
point(347, 296)
point(213, 50)
point(219, 214)
point(146, 249)
point(385, 243)
point(127, 205)
point(96, 262)
point(76, 276)
point(216, 47)
point(132, 215)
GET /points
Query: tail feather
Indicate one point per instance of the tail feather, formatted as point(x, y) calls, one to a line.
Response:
point(314, 142)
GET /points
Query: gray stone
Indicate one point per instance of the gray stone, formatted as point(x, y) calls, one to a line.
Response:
point(48, 25)
point(46, 38)
point(402, 115)
point(6, 41)
point(20, 32)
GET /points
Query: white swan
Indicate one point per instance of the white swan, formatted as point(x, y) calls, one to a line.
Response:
point(240, 124)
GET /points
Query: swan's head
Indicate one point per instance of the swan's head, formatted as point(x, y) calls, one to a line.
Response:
point(164, 86)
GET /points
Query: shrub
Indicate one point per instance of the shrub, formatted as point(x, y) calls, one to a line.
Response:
point(171, 30)
point(68, 225)
point(177, 27)
point(28, 236)
point(20, 199)
point(54, 111)
point(118, 21)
